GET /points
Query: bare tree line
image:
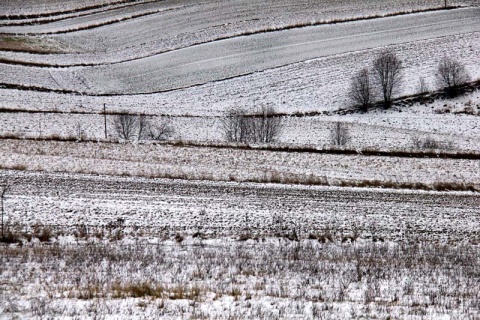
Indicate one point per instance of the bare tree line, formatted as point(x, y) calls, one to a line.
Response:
point(385, 79)
point(129, 127)
point(264, 125)
point(261, 125)
point(339, 134)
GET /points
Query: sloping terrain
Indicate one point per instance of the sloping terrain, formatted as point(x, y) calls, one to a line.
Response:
point(17, 10)
point(243, 165)
point(184, 23)
point(93, 226)
point(244, 55)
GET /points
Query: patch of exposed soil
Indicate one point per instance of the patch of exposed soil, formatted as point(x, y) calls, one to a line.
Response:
point(28, 44)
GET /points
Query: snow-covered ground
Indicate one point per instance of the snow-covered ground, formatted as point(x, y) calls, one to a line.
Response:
point(184, 23)
point(316, 85)
point(454, 121)
point(233, 164)
point(53, 7)
point(143, 230)
point(281, 55)
point(146, 207)
point(129, 248)
point(228, 279)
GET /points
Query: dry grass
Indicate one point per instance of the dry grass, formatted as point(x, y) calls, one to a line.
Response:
point(25, 44)
point(309, 278)
point(137, 290)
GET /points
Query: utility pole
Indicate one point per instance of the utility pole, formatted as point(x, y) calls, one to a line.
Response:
point(105, 119)
point(445, 4)
point(2, 196)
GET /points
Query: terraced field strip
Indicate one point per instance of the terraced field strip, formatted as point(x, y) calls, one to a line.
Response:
point(239, 56)
point(231, 208)
point(242, 165)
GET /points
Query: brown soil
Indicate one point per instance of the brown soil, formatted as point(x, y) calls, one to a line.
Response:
point(26, 44)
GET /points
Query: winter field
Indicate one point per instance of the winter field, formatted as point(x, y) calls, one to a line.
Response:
point(243, 165)
point(143, 248)
point(445, 120)
point(292, 90)
point(228, 279)
point(386, 226)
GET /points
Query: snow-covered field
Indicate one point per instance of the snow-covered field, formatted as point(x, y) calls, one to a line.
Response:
point(316, 85)
point(265, 279)
point(22, 9)
point(280, 55)
point(233, 164)
point(444, 120)
point(135, 248)
point(143, 207)
point(166, 230)
point(184, 23)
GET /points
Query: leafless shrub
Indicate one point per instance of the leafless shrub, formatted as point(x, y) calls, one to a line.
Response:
point(339, 134)
point(361, 92)
point(12, 234)
point(266, 126)
point(138, 290)
point(466, 110)
point(259, 126)
point(81, 231)
point(451, 74)
point(324, 237)
point(423, 88)
point(454, 186)
point(234, 125)
point(126, 126)
point(387, 68)
point(129, 127)
point(444, 110)
point(42, 233)
point(430, 143)
point(161, 130)
point(178, 238)
point(10, 135)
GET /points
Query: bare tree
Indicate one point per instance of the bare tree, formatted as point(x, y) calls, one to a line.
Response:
point(451, 74)
point(259, 126)
point(235, 125)
point(387, 69)
point(422, 86)
point(360, 89)
point(339, 134)
point(5, 187)
point(80, 132)
point(126, 126)
point(423, 89)
point(143, 127)
point(266, 125)
point(161, 130)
